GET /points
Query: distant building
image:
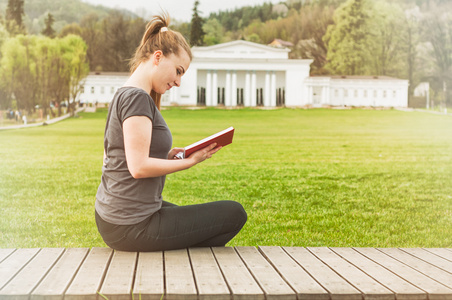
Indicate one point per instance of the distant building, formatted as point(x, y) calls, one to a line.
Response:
point(242, 73)
point(101, 87)
point(370, 91)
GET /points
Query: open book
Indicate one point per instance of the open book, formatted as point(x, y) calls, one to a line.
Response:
point(222, 138)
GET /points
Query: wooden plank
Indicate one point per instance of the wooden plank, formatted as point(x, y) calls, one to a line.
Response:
point(266, 276)
point(304, 285)
point(337, 286)
point(370, 288)
point(421, 266)
point(89, 278)
point(14, 263)
point(431, 258)
point(21, 286)
point(443, 252)
point(149, 278)
point(240, 281)
point(179, 280)
point(57, 281)
point(118, 282)
point(208, 277)
point(402, 289)
point(433, 288)
point(4, 253)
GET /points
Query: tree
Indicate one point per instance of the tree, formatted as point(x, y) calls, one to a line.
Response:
point(18, 65)
point(438, 33)
point(93, 37)
point(39, 70)
point(386, 27)
point(313, 23)
point(410, 41)
point(5, 93)
point(348, 39)
point(48, 30)
point(77, 67)
point(14, 17)
point(196, 32)
point(213, 32)
point(73, 28)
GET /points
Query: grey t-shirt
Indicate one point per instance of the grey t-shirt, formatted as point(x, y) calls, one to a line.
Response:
point(122, 199)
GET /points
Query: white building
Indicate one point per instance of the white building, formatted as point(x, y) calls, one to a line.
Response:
point(101, 87)
point(376, 91)
point(242, 73)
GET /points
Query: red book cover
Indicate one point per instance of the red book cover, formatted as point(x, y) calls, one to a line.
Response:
point(222, 138)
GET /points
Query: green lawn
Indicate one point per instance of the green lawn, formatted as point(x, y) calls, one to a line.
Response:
point(305, 177)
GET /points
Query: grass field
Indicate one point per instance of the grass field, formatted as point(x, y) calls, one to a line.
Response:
point(305, 177)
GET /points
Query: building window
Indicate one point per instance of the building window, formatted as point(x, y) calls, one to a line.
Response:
point(394, 94)
point(93, 90)
point(82, 89)
point(375, 93)
point(336, 93)
point(384, 94)
point(112, 90)
point(102, 90)
point(356, 93)
point(345, 93)
point(365, 93)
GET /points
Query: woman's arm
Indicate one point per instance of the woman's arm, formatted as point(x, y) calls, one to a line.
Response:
point(137, 142)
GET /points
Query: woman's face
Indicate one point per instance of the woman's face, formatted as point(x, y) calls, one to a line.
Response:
point(170, 69)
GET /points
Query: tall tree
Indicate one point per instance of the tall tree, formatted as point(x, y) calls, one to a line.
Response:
point(348, 39)
point(38, 69)
point(48, 30)
point(77, 67)
point(313, 24)
point(410, 40)
point(213, 32)
point(438, 32)
point(91, 33)
point(385, 29)
point(196, 32)
point(14, 17)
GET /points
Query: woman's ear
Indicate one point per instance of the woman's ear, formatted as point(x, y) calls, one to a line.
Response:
point(157, 57)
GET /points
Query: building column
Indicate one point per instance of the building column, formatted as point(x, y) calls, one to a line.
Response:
point(247, 91)
point(253, 89)
point(325, 95)
point(234, 89)
point(228, 98)
point(214, 88)
point(267, 90)
point(209, 89)
point(273, 89)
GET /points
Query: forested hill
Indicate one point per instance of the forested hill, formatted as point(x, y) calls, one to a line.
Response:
point(64, 11)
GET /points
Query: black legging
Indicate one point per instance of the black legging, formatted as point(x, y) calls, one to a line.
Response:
point(176, 227)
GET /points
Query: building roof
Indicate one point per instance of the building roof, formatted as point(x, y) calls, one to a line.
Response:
point(280, 43)
point(110, 73)
point(362, 77)
point(240, 49)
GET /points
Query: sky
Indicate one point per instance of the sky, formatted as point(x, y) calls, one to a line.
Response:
point(180, 10)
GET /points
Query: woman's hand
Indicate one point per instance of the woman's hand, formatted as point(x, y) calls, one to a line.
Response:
point(205, 153)
point(173, 152)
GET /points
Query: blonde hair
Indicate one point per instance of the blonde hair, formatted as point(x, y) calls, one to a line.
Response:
point(154, 38)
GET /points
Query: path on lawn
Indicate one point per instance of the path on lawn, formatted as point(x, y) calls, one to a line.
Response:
point(43, 123)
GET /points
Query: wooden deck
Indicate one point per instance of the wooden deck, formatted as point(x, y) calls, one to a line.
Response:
point(227, 273)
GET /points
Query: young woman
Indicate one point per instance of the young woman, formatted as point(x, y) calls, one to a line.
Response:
point(130, 212)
